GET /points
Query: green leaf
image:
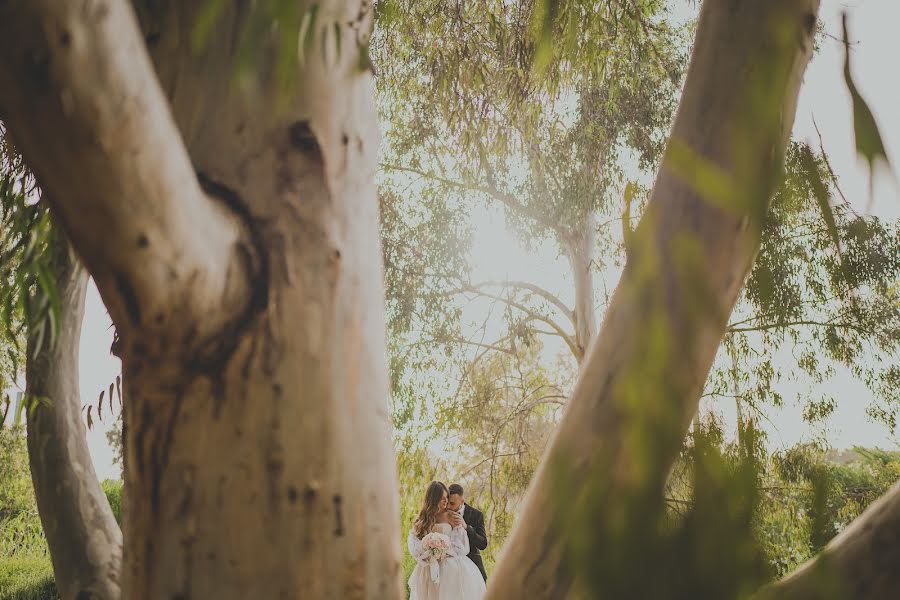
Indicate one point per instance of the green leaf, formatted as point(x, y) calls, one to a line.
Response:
point(306, 34)
point(868, 138)
point(630, 190)
point(546, 13)
point(709, 180)
point(209, 12)
point(48, 287)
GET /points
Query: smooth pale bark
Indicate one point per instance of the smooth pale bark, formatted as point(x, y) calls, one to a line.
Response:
point(79, 97)
point(860, 563)
point(581, 258)
point(263, 469)
point(640, 383)
point(84, 539)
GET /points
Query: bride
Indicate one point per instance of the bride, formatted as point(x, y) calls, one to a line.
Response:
point(453, 577)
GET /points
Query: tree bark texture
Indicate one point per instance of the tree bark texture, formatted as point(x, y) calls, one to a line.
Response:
point(84, 539)
point(258, 461)
point(640, 382)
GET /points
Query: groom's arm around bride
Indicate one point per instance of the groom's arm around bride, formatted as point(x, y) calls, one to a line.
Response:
point(474, 521)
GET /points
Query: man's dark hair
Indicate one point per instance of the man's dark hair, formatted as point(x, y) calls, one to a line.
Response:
point(455, 488)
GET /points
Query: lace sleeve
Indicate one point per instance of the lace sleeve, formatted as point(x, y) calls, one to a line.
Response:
point(459, 542)
point(414, 545)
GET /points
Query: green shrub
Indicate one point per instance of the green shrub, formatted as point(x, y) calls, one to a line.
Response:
point(21, 534)
point(113, 490)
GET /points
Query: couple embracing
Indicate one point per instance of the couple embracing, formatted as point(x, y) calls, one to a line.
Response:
point(446, 540)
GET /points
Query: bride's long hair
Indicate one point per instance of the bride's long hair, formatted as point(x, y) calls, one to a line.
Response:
point(431, 508)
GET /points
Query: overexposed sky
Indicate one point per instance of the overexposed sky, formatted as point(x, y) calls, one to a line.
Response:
point(497, 255)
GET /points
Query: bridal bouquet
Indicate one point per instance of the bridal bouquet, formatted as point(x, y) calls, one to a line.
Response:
point(438, 547)
point(437, 544)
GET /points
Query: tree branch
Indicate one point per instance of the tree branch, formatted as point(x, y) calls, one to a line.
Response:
point(490, 190)
point(82, 101)
point(534, 315)
point(860, 563)
point(523, 285)
point(798, 323)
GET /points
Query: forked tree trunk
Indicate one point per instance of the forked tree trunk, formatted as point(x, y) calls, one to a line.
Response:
point(640, 383)
point(84, 539)
point(250, 309)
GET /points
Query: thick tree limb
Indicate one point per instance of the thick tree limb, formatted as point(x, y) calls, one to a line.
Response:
point(84, 539)
point(80, 97)
point(640, 382)
point(860, 563)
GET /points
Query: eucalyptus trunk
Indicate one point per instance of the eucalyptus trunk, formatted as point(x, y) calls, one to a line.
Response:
point(232, 232)
point(640, 383)
point(581, 251)
point(84, 539)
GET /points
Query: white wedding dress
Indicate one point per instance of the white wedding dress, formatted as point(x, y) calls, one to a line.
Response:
point(458, 579)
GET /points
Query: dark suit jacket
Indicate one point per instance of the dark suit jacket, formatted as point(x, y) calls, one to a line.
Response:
point(474, 519)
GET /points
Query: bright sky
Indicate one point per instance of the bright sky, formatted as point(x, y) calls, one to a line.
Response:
point(497, 255)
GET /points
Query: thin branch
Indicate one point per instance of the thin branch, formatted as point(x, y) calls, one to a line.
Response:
point(535, 289)
point(490, 190)
point(536, 316)
point(799, 323)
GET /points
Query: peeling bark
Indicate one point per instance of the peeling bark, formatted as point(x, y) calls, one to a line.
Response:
point(84, 539)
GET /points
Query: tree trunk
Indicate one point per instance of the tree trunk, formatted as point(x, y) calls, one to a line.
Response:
point(860, 563)
point(258, 461)
point(640, 383)
point(84, 539)
point(581, 258)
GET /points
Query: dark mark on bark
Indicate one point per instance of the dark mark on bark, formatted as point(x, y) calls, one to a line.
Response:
point(129, 298)
point(338, 516)
point(65, 39)
point(38, 70)
point(303, 139)
point(345, 139)
point(140, 433)
point(163, 445)
point(810, 23)
point(292, 494)
point(142, 241)
point(310, 494)
point(215, 352)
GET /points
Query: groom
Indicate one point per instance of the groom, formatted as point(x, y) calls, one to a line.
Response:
point(473, 519)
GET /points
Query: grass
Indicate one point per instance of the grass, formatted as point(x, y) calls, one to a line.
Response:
point(27, 578)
